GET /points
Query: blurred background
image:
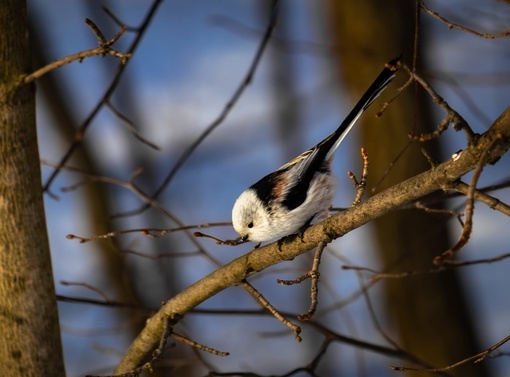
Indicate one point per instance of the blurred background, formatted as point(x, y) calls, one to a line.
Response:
point(189, 58)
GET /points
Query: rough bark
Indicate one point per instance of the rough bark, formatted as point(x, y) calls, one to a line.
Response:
point(30, 342)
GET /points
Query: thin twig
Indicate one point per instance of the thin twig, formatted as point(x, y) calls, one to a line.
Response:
point(481, 196)
point(313, 275)
point(172, 254)
point(479, 357)
point(105, 304)
point(265, 303)
point(118, 21)
point(397, 275)
point(314, 281)
point(361, 185)
point(101, 39)
point(447, 264)
point(219, 241)
point(457, 263)
point(88, 286)
point(149, 232)
point(452, 25)
point(80, 132)
point(451, 115)
point(199, 346)
point(469, 210)
point(373, 317)
point(328, 339)
point(391, 164)
point(130, 125)
point(297, 280)
point(103, 50)
point(131, 186)
point(423, 207)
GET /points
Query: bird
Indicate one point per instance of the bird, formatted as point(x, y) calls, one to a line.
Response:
point(286, 201)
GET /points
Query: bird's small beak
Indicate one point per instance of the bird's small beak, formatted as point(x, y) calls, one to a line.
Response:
point(244, 238)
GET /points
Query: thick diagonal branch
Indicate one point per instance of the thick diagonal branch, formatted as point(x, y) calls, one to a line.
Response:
point(440, 177)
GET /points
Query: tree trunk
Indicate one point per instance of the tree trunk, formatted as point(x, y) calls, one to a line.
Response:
point(30, 342)
point(428, 312)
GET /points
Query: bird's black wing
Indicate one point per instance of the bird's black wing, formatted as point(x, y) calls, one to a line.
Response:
point(315, 159)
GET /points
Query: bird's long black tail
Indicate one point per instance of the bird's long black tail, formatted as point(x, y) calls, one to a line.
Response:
point(308, 163)
point(325, 149)
point(377, 87)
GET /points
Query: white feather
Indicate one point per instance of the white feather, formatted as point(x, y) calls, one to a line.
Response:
point(267, 225)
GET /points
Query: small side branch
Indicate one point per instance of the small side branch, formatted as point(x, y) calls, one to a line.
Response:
point(314, 278)
point(361, 185)
point(129, 125)
point(452, 25)
point(451, 115)
point(313, 275)
point(492, 202)
point(265, 303)
point(148, 232)
point(199, 346)
point(470, 207)
point(104, 48)
point(423, 207)
point(479, 357)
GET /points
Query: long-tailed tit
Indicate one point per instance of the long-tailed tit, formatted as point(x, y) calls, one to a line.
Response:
point(287, 200)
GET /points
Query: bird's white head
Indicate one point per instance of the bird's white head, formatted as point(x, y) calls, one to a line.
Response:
point(250, 217)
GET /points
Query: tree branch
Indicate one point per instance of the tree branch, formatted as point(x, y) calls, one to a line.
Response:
point(440, 177)
point(104, 48)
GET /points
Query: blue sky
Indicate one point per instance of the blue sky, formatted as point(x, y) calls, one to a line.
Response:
point(180, 78)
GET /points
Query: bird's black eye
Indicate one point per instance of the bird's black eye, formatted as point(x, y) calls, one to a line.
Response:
point(250, 225)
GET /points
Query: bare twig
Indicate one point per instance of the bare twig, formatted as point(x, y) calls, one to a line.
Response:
point(313, 275)
point(105, 48)
point(118, 21)
point(361, 185)
point(479, 357)
point(130, 126)
point(451, 115)
point(470, 206)
point(265, 303)
point(235, 242)
point(314, 281)
point(149, 232)
point(397, 275)
point(80, 132)
point(199, 346)
point(88, 286)
point(105, 304)
point(373, 316)
point(447, 264)
point(423, 207)
point(172, 254)
point(481, 196)
point(328, 339)
point(297, 280)
point(391, 164)
point(457, 263)
point(327, 332)
point(452, 25)
point(131, 186)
